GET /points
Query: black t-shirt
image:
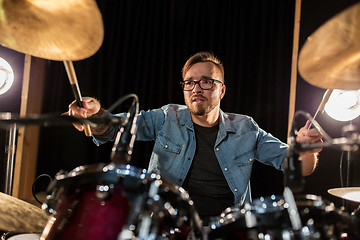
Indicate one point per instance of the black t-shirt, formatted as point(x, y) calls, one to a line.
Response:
point(205, 181)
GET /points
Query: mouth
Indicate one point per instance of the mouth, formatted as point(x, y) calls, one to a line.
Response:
point(197, 99)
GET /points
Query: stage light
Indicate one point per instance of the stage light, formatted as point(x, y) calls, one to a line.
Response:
point(6, 76)
point(343, 105)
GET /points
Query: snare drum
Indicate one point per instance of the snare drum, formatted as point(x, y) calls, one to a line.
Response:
point(268, 218)
point(111, 202)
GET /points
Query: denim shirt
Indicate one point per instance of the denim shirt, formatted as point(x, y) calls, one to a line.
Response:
point(239, 142)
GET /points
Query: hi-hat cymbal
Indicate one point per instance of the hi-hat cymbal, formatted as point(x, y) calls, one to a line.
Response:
point(330, 57)
point(51, 29)
point(348, 193)
point(19, 216)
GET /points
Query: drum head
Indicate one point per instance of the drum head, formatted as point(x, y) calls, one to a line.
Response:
point(29, 236)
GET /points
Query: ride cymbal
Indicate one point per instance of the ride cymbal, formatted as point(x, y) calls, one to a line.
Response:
point(348, 193)
point(19, 216)
point(51, 29)
point(330, 57)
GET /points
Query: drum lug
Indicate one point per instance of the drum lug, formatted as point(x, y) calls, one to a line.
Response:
point(103, 192)
point(49, 206)
point(52, 200)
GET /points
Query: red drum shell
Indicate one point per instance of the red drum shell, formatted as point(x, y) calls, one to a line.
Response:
point(100, 202)
point(82, 213)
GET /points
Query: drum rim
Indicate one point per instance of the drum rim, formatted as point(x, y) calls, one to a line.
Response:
point(119, 169)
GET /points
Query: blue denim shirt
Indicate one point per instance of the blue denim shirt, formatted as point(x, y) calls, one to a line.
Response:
point(239, 142)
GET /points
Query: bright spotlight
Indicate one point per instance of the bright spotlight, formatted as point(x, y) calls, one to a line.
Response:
point(6, 76)
point(343, 105)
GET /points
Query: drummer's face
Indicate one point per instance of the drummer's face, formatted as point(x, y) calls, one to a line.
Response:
point(202, 102)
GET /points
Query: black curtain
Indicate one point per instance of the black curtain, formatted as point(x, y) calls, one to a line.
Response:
point(145, 45)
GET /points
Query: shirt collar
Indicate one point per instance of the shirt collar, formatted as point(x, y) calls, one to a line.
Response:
point(224, 123)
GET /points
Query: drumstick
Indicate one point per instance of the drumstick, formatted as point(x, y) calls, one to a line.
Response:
point(76, 90)
point(322, 104)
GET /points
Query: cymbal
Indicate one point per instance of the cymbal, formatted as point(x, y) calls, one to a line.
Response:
point(330, 57)
point(51, 29)
point(20, 216)
point(348, 193)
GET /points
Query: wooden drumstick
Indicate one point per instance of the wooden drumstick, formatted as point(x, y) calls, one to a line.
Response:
point(76, 90)
point(322, 104)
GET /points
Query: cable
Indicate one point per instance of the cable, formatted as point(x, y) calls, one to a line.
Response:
point(123, 99)
point(34, 184)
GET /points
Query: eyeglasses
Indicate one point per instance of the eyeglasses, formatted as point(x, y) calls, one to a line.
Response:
point(205, 84)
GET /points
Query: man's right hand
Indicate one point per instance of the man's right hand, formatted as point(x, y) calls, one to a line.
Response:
point(90, 107)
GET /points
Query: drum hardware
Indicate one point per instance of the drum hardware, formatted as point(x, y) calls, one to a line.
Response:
point(292, 209)
point(10, 150)
point(103, 192)
point(151, 216)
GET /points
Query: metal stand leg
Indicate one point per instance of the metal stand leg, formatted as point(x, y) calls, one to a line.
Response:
point(10, 157)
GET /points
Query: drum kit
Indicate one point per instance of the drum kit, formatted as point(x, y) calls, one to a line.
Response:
point(119, 201)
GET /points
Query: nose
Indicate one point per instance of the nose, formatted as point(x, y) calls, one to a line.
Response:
point(197, 88)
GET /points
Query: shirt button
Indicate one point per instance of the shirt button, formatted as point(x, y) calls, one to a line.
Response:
point(189, 158)
point(217, 149)
point(235, 189)
point(166, 146)
point(180, 180)
point(250, 159)
point(225, 169)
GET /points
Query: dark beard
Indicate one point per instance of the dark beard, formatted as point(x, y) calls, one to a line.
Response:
point(199, 112)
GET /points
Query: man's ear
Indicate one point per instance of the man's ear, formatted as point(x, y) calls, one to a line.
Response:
point(223, 90)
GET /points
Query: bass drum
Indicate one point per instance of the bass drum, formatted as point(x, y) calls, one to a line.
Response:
point(268, 218)
point(111, 202)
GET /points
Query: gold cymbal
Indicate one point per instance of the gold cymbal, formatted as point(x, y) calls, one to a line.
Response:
point(19, 216)
point(330, 57)
point(348, 193)
point(51, 29)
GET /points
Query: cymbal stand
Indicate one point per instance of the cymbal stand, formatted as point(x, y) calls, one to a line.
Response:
point(350, 131)
point(10, 155)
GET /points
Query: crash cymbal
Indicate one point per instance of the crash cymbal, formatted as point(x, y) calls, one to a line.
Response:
point(330, 57)
point(19, 216)
point(51, 29)
point(348, 193)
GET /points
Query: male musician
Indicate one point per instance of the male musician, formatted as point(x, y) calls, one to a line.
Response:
point(198, 146)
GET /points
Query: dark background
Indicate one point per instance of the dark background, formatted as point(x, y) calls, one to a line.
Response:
point(145, 46)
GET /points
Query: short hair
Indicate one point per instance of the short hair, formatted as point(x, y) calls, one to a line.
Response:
point(203, 57)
